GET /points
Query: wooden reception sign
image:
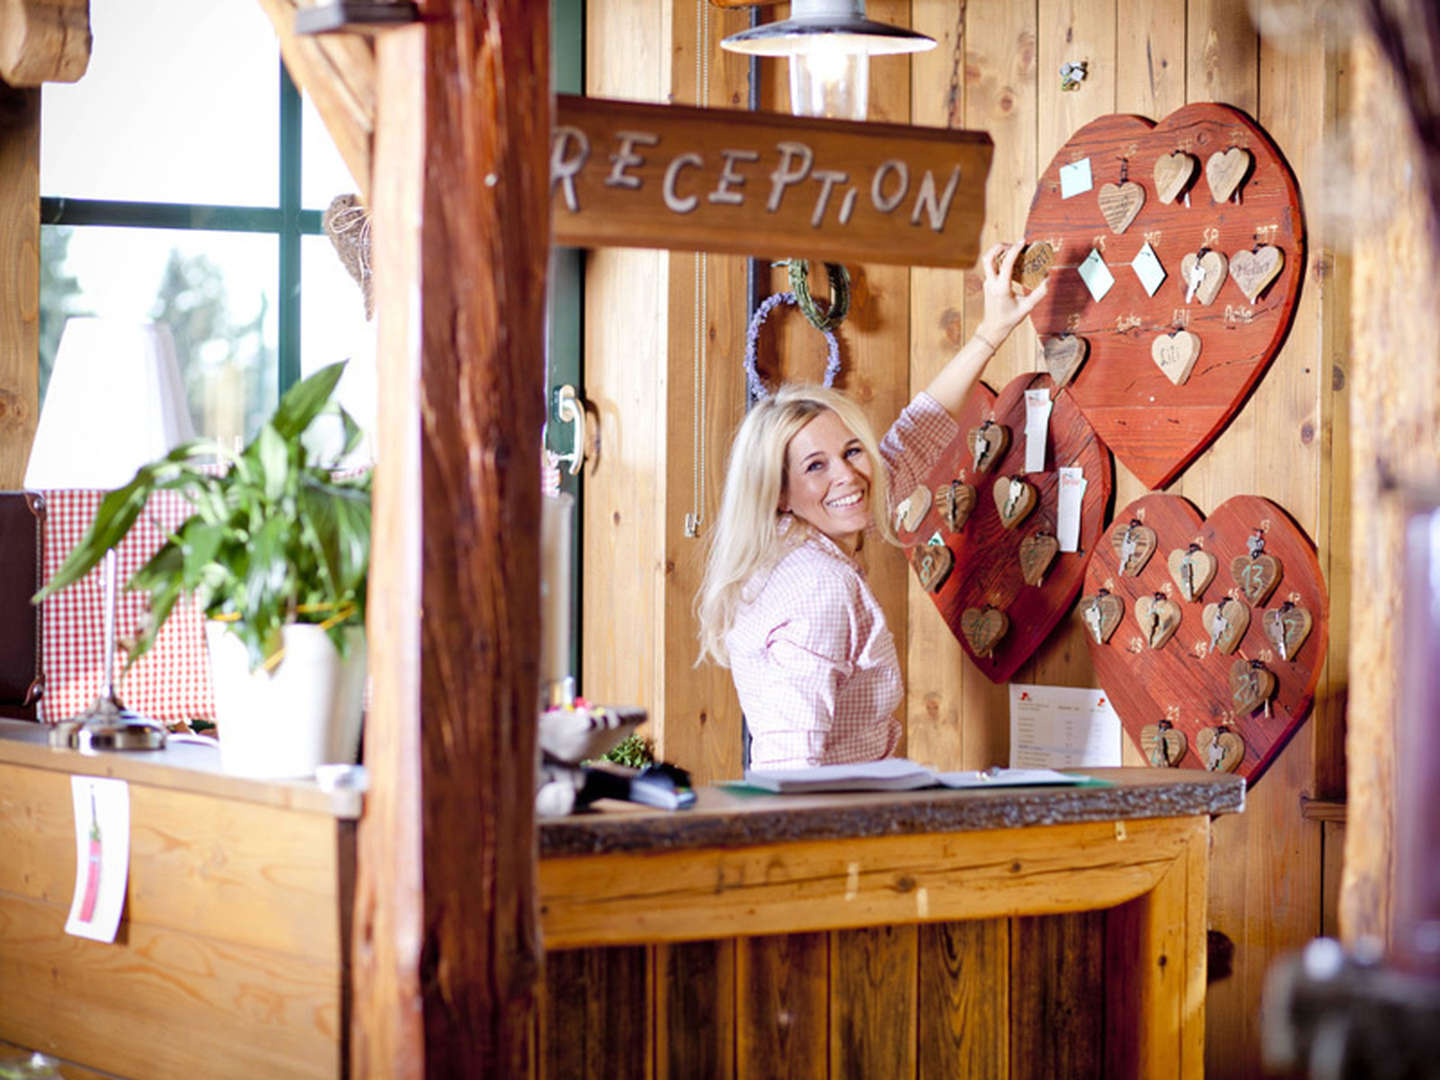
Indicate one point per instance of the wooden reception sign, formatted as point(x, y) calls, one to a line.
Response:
point(624, 174)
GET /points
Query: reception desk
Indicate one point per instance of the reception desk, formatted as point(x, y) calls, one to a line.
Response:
point(1042, 932)
point(1004, 933)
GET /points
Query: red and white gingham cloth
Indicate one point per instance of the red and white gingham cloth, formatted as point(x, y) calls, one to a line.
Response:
point(813, 662)
point(171, 682)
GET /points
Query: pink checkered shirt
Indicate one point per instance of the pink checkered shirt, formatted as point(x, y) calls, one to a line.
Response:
point(813, 661)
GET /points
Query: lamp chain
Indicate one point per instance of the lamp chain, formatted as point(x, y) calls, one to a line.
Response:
point(955, 98)
point(696, 517)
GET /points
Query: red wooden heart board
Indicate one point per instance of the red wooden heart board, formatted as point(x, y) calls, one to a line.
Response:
point(1155, 427)
point(987, 564)
point(1184, 681)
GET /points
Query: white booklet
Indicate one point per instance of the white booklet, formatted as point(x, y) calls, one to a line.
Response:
point(898, 774)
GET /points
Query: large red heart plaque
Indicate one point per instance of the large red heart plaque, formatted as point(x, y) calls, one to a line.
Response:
point(1155, 421)
point(1197, 687)
point(992, 560)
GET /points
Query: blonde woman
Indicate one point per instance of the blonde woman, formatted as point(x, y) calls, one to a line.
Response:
point(784, 602)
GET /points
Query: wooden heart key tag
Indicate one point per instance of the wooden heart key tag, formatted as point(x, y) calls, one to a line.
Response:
point(1033, 264)
point(1101, 614)
point(1175, 354)
point(1014, 498)
point(1163, 743)
point(1063, 357)
point(1287, 627)
point(1135, 544)
point(1225, 170)
point(1257, 574)
point(988, 444)
point(1202, 273)
point(1120, 203)
point(1037, 552)
point(983, 628)
point(954, 501)
point(1193, 569)
point(1173, 173)
point(933, 563)
point(1226, 622)
point(1254, 270)
point(1252, 685)
point(912, 510)
point(1220, 748)
point(1159, 618)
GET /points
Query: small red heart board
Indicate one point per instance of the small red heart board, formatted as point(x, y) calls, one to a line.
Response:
point(1188, 681)
point(1157, 426)
point(987, 573)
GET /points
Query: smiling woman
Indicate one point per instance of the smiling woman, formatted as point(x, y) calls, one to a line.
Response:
point(785, 603)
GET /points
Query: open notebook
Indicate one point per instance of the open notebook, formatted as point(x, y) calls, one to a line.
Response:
point(901, 774)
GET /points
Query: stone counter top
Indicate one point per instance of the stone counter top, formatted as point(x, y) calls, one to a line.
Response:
point(737, 817)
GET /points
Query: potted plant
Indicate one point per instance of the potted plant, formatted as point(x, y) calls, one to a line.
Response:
point(277, 553)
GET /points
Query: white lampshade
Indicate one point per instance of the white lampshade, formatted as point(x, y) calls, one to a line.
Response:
point(115, 402)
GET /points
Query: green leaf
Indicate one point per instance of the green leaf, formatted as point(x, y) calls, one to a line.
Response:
point(271, 458)
point(338, 518)
point(306, 400)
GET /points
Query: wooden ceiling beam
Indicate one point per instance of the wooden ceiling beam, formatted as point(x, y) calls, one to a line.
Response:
point(43, 41)
point(337, 71)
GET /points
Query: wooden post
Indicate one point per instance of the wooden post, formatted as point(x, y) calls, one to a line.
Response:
point(447, 944)
point(19, 277)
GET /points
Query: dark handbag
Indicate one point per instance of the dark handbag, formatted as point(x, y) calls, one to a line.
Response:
point(22, 530)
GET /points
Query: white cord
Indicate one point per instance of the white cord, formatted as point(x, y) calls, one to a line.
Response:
point(696, 517)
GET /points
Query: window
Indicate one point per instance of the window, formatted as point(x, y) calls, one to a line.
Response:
point(183, 180)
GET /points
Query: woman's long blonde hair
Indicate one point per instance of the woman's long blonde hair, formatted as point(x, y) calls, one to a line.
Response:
point(746, 537)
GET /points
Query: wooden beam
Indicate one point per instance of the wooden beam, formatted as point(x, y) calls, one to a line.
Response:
point(44, 41)
point(447, 937)
point(19, 278)
point(337, 71)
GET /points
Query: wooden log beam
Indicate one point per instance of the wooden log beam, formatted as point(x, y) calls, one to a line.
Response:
point(44, 41)
point(337, 71)
point(19, 278)
point(447, 952)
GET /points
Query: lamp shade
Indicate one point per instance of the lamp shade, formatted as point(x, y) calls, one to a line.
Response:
point(827, 25)
point(115, 402)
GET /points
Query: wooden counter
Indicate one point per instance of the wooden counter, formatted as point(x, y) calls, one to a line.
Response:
point(230, 957)
point(999, 933)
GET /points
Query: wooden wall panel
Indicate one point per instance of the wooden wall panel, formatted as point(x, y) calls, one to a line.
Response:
point(964, 990)
point(19, 279)
point(1057, 975)
point(695, 1010)
point(782, 1006)
point(873, 1006)
point(590, 1025)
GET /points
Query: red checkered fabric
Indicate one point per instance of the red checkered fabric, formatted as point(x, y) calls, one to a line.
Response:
point(171, 682)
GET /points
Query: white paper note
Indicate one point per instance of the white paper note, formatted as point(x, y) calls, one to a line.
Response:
point(1062, 727)
point(1075, 178)
point(1067, 511)
point(1037, 428)
point(102, 856)
point(1146, 265)
point(1096, 275)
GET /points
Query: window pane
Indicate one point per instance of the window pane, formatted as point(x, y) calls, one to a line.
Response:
point(333, 327)
point(323, 174)
point(180, 104)
point(216, 291)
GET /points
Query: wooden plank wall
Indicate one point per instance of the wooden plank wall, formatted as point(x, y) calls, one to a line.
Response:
point(19, 278)
point(997, 70)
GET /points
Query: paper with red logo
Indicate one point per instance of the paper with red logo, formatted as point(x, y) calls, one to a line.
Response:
point(1062, 727)
point(102, 856)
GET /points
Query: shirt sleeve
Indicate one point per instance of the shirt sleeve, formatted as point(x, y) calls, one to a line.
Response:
point(920, 435)
point(809, 657)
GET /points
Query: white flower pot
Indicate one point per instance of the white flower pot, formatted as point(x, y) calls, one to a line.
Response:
point(282, 724)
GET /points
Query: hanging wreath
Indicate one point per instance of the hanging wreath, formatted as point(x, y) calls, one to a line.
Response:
point(758, 389)
point(839, 293)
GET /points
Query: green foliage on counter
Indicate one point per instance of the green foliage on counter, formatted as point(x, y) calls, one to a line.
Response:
point(633, 752)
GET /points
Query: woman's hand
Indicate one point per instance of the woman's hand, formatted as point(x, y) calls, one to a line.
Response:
point(1004, 310)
